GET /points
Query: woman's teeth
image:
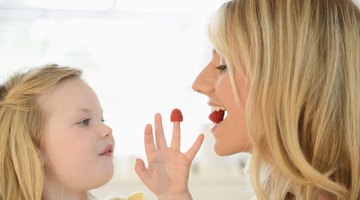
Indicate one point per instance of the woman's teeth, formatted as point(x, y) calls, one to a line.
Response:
point(217, 108)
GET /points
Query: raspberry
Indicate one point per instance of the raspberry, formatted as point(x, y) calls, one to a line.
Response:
point(176, 116)
point(217, 116)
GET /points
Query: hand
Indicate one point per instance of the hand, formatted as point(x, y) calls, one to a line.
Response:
point(168, 169)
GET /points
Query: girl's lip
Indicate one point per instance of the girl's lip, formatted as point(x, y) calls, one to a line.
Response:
point(108, 150)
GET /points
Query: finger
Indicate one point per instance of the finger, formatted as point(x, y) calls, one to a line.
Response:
point(142, 171)
point(175, 140)
point(149, 141)
point(159, 132)
point(195, 147)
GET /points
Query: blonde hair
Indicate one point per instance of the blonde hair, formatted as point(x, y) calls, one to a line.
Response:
point(302, 62)
point(21, 125)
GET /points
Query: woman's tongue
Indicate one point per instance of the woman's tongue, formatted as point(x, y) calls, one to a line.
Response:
point(217, 116)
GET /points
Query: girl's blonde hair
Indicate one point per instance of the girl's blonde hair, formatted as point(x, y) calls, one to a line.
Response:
point(21, 126)
point(302, 62)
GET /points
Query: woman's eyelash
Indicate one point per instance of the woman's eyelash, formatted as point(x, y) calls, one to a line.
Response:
point(221, 67)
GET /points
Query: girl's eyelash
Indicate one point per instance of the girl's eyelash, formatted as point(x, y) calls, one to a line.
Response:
point(84, 122)
point(221, 67)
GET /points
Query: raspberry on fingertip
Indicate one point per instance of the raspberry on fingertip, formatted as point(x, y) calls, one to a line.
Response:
point(176, 116)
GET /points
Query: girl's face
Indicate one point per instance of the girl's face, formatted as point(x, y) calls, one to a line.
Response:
point(77, 145)
point(230, 132)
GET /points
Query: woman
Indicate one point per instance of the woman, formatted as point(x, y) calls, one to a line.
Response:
point(287, 76)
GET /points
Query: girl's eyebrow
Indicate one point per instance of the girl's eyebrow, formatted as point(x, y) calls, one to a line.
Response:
point(86, 110)
point(214, 52)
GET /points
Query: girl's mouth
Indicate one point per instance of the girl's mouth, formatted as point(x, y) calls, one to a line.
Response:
point(217, 114)
point(108, 150)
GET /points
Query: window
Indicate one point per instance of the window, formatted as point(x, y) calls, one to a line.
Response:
point(141, 57)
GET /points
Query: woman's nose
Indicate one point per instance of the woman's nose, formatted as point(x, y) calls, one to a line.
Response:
point(204, 82)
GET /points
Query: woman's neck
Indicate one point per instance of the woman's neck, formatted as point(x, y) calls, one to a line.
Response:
point(322, 196)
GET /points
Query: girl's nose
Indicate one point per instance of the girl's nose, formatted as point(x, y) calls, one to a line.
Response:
point(106, 131)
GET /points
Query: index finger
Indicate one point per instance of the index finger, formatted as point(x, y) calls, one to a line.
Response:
point(159, 132)
point(149, 141)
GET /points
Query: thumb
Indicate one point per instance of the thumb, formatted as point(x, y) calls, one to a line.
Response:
point(141, 170)
point(195, 147)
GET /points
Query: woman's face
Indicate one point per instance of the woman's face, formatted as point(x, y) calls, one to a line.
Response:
point(77, 145)
point(230, 132)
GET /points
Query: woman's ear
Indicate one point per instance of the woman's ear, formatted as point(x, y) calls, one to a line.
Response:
point(42, 158)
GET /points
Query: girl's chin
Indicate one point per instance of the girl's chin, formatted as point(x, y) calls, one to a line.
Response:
point(107, 172)
point(105, 178)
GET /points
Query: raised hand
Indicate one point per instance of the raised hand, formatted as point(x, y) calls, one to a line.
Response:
point(168, 168)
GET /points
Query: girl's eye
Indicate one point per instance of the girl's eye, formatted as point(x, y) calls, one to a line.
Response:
point(84, 122)
point(221, 68)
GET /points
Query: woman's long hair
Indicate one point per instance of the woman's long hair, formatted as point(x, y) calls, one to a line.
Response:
point(302, 62)
point(21, 126)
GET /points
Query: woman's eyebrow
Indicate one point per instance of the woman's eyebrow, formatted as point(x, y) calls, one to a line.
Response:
point(86, 110)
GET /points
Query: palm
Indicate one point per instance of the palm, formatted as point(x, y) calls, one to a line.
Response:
point(168, 168)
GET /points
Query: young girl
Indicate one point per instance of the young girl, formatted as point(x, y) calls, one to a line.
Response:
point(53, 140)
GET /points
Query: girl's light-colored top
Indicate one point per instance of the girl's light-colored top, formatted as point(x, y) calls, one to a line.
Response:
point(134, 196)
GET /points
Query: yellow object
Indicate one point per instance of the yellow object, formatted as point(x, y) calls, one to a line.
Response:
point(134, 196)
point(137, 196)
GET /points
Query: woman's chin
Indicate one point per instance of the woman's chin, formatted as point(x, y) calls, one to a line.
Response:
point(224, 150)
point(221, 151)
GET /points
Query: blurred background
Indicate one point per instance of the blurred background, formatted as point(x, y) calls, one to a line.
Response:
point(141, 57)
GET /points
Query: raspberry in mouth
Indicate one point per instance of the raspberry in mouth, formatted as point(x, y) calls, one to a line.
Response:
point(217, 116)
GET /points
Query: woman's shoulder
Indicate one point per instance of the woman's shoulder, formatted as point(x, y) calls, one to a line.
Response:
point(133, 196)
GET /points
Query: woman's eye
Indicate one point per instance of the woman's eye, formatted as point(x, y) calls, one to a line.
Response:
point(221, 68)
point(84, 122)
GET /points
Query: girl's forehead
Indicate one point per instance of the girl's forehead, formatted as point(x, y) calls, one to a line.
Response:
point(69, 94)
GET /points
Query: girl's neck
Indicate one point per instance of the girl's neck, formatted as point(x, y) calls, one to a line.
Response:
point(54, 192)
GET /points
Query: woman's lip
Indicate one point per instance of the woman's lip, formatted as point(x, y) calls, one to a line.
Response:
point(108, 150)
point(214, 127)
point(217, 125)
